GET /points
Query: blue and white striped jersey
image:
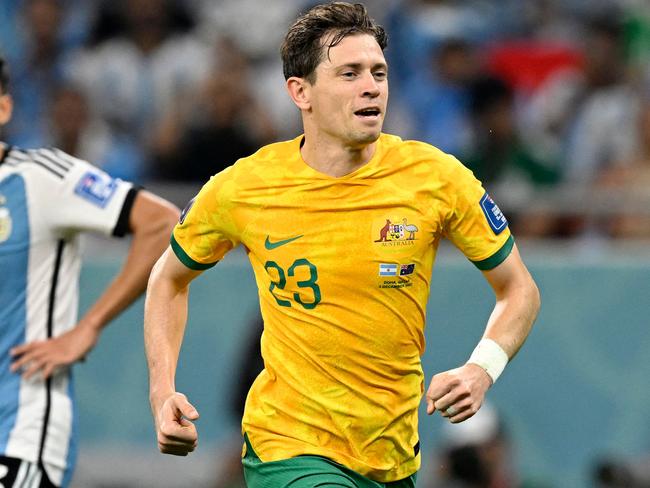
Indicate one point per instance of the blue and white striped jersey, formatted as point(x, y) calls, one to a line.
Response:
point(47, 198)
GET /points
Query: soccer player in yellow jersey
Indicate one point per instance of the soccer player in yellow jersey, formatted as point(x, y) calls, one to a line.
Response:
point(341, 226)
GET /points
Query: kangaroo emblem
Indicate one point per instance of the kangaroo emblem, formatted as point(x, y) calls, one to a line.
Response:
point(383, 232)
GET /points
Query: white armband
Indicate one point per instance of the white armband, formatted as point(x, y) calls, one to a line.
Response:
point(489, 356)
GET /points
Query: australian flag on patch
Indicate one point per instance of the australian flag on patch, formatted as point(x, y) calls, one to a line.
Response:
point(406, 269)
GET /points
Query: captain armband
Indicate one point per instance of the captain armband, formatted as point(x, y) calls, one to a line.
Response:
point(491, 357)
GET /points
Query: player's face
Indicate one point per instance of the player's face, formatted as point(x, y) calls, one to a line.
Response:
point(6, 106)
point(348, 99)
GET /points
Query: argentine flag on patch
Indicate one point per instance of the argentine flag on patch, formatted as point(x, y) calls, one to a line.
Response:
point(387, 269)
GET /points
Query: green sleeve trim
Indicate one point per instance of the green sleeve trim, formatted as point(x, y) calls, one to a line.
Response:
point(498, 257)
point(185, 259)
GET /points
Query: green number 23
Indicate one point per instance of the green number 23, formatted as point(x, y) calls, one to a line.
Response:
point(282, 281)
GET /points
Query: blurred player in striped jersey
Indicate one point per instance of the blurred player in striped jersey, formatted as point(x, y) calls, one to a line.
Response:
point(341, 226)
point(47, 198)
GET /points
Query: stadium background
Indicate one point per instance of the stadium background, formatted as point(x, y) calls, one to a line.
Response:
point(547, 101)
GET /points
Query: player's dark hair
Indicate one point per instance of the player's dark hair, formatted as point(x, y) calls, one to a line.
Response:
point(324, 26)
point(4, 77)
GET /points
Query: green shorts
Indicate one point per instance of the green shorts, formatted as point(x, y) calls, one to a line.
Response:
point(308, 472)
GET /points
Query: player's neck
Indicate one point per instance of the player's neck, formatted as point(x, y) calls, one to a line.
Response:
point(335, 159)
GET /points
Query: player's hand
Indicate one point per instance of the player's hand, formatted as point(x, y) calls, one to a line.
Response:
point(458, 393)
point(52, 354)
point(176, 434)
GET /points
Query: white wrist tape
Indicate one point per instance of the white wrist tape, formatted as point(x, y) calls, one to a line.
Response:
point(489, 356)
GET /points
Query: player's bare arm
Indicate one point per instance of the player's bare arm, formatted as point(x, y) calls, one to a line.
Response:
point(164, 325)
point(150, 222)
point(459, 393)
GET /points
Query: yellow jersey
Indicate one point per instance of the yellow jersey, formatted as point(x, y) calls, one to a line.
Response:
point(343, 267)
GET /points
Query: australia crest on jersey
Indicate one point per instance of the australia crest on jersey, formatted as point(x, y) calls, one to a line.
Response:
point(399, 232)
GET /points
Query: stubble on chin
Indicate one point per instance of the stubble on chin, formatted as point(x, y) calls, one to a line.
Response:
point(365, 137)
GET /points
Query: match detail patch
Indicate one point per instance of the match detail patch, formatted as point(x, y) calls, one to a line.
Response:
point(494, 215)
point(97, 188)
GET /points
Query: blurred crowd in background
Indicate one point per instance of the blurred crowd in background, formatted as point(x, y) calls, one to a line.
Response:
point(547, 101)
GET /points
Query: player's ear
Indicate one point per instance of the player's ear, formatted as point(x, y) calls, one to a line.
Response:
point(299, 91)
point(6, 107)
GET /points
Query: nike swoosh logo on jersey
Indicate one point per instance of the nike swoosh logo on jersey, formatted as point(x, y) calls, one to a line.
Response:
point(274, 245)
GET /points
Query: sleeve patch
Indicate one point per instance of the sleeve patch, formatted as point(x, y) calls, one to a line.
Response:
point(186, 211)
point(97, 188)
point(493, 213)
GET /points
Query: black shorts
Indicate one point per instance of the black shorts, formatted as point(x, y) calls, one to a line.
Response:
point(16, 473)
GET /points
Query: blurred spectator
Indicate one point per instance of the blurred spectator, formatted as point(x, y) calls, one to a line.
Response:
point(436, 97)
point(270, 87)
point(133, 79)
point(9, 38)
point(631, 180)
point(618, 473)
point(498, 154)
point(477, 453)
point(505, 163)
point(233, 19)
point(73, 129)
point(637, 36)
point(217, 139)
point(418, 27)
point(224, 123)
point(41, 58)
point(17, 33)
point(550, 21)
point(586, 119)
point(527, 64)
